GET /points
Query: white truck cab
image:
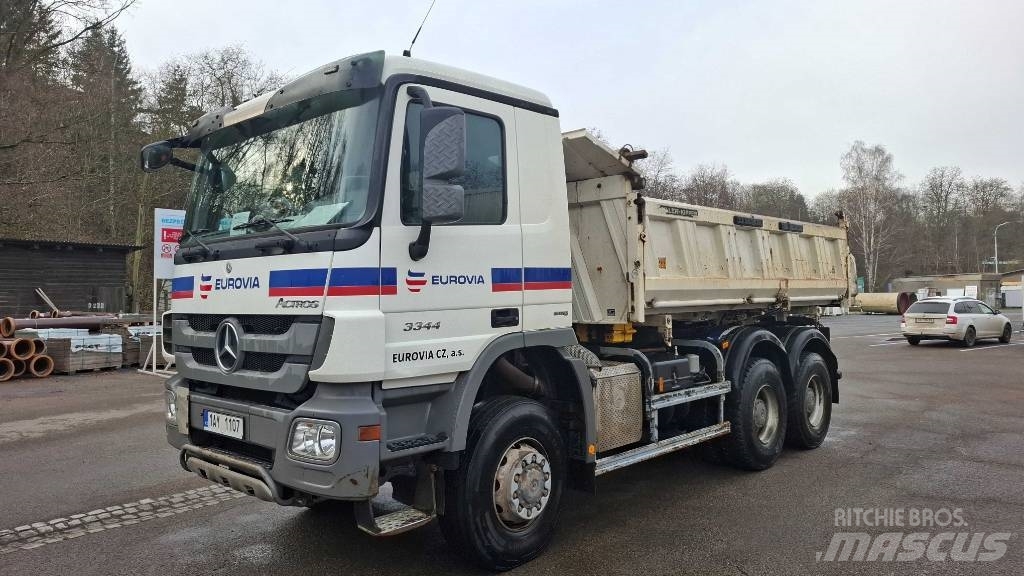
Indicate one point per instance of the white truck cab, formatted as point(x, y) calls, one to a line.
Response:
point(397, 271)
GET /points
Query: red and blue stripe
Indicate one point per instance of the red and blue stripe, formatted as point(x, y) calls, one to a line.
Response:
point(547, 278)
point(362, 282)
point(299, 282)
point(183, 287)
point(506, 279)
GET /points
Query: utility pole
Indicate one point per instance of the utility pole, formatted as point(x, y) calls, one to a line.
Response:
point(995, 240)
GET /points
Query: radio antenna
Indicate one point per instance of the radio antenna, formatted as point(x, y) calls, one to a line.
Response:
point(408, 53)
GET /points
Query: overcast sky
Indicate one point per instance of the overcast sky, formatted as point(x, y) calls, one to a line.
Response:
point(772, 89)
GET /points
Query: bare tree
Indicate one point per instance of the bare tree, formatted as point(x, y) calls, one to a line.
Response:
point(869, 201)
point(660, 178)
point(711, 185)
point(778, 197)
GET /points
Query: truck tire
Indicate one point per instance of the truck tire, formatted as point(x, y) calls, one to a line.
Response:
point(756, 410)
point(486, 515)
point(810, 408)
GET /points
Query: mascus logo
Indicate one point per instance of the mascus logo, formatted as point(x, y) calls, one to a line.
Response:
point(415, 281)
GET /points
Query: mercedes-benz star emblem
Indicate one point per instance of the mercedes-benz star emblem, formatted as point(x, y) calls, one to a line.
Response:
point(227, 347)
point(227, 267)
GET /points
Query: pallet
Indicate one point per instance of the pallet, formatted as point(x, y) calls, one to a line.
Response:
point(66, 361)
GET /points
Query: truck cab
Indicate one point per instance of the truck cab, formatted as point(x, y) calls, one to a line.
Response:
point(377, 285)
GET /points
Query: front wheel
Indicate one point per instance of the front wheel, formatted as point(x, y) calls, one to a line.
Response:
point(810, 409)
point(756, 409)
point(1007, 334)
point(501, 505)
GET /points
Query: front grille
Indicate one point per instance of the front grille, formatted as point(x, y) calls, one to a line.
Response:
point(255, 361)
point(251, 323)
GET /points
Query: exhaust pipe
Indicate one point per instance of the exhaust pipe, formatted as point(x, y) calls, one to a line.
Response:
point(530, 385)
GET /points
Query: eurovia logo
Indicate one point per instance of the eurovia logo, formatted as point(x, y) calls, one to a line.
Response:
point(415, 281)
point(204, 285)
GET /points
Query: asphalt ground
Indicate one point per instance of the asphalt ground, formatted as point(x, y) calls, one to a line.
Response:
point(928, 428)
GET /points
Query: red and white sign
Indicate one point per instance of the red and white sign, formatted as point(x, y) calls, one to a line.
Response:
point(167, 231)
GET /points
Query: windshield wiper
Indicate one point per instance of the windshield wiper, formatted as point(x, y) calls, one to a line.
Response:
point(195, 235)
point(272, 223)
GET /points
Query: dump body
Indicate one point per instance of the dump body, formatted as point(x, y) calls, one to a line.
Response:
point(633, 257)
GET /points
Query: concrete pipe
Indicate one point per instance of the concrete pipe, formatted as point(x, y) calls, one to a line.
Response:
point(19, 366)
point(38, 346)
point(35, 314)
point(6, 369)
point(7, 327)
point(3, 349)
point(20, 348)
point(885, 302)
point(40, 366)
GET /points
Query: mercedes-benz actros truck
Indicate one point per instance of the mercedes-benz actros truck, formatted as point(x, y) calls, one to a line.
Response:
point(395, 271)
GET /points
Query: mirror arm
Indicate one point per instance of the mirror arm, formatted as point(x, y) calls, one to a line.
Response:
point(418, 247)
point(420, 94)
point(182, 164)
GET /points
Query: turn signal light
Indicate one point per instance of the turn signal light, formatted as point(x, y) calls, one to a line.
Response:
point(369, 433)
point(950, 319)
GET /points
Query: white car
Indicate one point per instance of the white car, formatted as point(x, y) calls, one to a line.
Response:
point(963, 320)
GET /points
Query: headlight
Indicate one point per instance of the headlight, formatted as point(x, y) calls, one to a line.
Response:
point(314, 440)
point(172, 407)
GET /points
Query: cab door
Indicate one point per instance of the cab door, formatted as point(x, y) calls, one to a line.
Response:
point(446, 307)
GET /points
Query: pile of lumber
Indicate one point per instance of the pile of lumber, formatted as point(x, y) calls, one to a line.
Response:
point(24, 357)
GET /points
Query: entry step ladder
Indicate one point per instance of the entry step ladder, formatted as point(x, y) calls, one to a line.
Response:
point(667, 399)
point(385, 516)
point(648, 451)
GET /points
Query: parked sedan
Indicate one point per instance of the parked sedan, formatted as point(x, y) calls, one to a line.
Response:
point(962, 320)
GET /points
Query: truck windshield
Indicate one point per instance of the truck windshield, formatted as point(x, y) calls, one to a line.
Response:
point(303, 165)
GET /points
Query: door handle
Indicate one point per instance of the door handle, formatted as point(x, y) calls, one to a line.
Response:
point(504, 317)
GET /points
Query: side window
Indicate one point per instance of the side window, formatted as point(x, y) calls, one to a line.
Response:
point(483, 181)
point(972, 308)
point(983, 308)
point(960, 308)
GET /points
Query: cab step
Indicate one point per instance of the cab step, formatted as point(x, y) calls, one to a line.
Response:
point(402, 520)
point(667, 399)
point(646, 452)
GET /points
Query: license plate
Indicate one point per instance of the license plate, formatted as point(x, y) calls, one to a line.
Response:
point(923, 321)
point(218, 423)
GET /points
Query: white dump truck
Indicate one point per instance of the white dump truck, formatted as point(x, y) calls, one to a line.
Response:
point(399, 272)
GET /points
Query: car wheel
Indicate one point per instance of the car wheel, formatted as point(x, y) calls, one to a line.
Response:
point(501, 504)
point(810, 408)
point(970, 337)
point(913, 340)
point(1007, 334)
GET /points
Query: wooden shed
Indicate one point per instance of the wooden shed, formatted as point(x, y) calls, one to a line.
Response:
point(75, 275)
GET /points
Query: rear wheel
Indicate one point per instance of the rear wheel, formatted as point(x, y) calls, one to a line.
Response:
point(913, 340)
point(1007, 334)
point(757, 412)
point(810, 409)
point(501, 505)
point(970, 337)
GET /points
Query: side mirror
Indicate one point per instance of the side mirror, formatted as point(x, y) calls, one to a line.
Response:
point(155, 156)
point(442, 158)
point(443, 149)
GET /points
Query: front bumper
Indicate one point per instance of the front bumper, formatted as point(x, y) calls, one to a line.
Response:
point(261, 458)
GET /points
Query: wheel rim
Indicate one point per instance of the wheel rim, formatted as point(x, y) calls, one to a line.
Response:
point(522, 484)
point(766, 414)
point(814, 402)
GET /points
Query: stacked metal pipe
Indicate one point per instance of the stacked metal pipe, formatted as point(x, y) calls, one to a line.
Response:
point(24, 356)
